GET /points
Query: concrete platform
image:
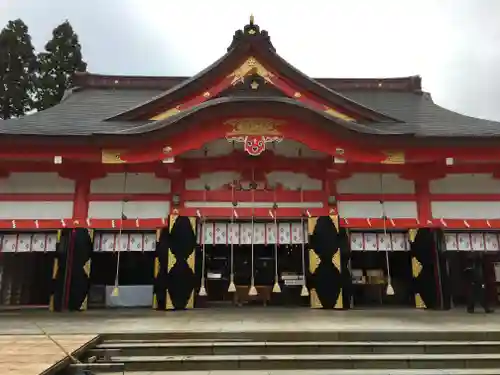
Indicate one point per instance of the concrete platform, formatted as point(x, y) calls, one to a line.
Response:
point(244, 320)
point(33, 354)
point(24, 350)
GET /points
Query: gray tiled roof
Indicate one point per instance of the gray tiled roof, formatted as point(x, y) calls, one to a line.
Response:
point(423, 116)
point(83, 111)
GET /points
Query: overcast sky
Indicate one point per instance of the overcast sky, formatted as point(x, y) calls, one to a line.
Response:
point(453, 44)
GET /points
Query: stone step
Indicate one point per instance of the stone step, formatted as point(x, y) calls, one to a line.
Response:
point(318, 372)
point(352, 335)
point(108, 349)
point(296, 362)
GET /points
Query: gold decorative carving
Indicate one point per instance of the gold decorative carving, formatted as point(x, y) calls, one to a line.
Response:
point(84, 304)
point(394, 157)
point(339, 304)
point(190, 302)
point(419, 302)
point(190, 261)
point(55, 269)
point(86, 268)
point(337, 114)
point(336, 260)
point(315, 301)
point(206, 94)
point(335, 220)
point(416, 267)
point(254, 85)
point(250, 66)
point(111, 157)
point(412, 234)
point(192, 222)
point(297, 94)
point(168, 304)
point(251, 31)
point(172, 260)
point(311, 224)
point(156, 268)
point(314, 261)
point(173, 219)
point(254, 126)
point(169, 113)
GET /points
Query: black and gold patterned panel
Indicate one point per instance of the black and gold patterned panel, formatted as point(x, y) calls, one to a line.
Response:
point(325, 263)
point(423, 264)
point(81, 260)
point(160, 269)
point(182, 280)
point(57, 294)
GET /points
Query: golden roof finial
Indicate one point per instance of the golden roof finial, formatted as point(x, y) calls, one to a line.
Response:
point(252, 19)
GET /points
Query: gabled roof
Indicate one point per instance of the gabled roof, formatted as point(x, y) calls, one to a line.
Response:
point(122, 105)
point(252, 51)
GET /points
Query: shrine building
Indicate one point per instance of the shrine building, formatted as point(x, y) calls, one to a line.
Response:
point(248, 183)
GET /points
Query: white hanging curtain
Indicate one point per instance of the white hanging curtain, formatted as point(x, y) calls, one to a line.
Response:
point(245, 233)
point(259, 234)
point(221, 233)
point(234, 233)
point(27, 242)
point(298, 233)
point(471, 241)
point(271, 233)
point(284, 234)
point(365, 241)
point(109, 242)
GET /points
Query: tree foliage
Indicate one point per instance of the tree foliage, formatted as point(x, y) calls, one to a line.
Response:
point(17, 70)
point(57, 66)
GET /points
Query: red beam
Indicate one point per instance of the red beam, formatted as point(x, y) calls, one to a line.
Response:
point(256, 196)
point(267, 162)
point(225, 213)
point(246, 196)
point(423, 200)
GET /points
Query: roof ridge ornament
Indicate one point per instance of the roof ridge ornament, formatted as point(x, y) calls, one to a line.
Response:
point(251, 33)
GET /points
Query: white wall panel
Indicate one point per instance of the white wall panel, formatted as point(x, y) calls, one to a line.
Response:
point(466, 210)
point(293, 181)
point(36, 210)
point(370, 183)
point(214, 180)
point(286, 147)
point(394, 210)
point(136, 183)
point(465, 183)
point(32, 183)
point(255, 204)
point(133, 210)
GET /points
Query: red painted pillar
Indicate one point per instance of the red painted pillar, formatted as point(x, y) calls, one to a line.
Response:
point(423, 195)
point(81, 198)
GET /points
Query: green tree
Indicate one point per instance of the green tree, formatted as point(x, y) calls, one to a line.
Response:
point(57, 66)
point(17, 70)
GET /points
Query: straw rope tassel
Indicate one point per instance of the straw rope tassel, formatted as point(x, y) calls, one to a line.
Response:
point(304, 292)
point(253, 291)
point(390, 289)
point(276, 286)
point(232, 286)
point(116, 292)
point(203, 290)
